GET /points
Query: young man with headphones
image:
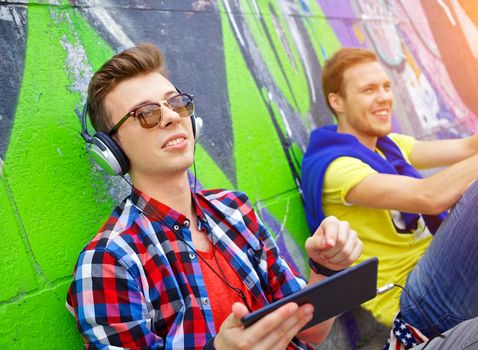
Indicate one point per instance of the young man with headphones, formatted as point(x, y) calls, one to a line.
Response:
point(172, 268)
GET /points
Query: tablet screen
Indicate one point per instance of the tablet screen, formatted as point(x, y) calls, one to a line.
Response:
point(330, 297)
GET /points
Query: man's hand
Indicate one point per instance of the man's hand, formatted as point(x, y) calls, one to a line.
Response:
point(272, 332)
point(334, 245)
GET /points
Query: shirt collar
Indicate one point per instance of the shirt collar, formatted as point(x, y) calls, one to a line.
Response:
point(158, 211)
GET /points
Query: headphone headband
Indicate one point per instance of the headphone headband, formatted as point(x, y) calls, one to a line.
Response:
point(84, 130)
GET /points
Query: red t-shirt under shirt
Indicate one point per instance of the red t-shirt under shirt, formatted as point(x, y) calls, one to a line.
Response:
point(221, 296)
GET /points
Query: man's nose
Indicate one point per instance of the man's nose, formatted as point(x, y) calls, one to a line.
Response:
point(385, 94)
point(169, 115)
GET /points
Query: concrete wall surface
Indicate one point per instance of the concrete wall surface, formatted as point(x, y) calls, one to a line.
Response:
point(253, 67)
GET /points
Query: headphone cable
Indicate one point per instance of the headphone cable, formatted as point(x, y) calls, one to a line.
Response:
point(239, 291)
point(194, 167)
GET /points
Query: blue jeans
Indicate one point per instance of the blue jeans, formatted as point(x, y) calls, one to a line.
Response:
point(444, 283)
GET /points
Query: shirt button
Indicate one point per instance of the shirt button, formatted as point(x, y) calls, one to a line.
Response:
point(205, 301)
point(192, 256)
point(176, 227)
point(186, 223)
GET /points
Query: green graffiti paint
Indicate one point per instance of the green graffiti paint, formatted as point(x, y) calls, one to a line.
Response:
point(287, 208)
point(16, 265)
point(46, 166)
point(39, 321)
point(274, 41)
point(97, 50)
point(320, 32)
point(257, 150)
point(61, 203)
point(262, 170)
point(208, 172)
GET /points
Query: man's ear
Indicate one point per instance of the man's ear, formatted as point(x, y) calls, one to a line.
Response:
point(336, 102)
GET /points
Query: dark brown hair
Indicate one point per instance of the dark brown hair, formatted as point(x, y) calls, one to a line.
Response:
point(141, 59)
point(334, 68)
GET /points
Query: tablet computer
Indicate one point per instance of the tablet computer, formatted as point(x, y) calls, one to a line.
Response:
point(332, 296)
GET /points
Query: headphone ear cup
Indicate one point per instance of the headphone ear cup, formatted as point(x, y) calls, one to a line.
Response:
point(197, 125)
point(106, 152)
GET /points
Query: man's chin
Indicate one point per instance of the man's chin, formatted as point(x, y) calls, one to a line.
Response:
point(382, 132)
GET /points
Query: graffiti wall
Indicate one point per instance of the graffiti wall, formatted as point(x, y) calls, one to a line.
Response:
point(253, 67)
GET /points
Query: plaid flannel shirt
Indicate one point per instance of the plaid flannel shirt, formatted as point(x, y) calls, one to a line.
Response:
point(136, 285)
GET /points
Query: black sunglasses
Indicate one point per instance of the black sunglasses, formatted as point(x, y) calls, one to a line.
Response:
point(150, 114)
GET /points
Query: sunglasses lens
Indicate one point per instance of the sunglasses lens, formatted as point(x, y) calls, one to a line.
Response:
point(182, 104)
point(149, 115)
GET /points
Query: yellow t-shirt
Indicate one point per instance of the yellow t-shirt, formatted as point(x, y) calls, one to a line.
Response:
point(397, 253)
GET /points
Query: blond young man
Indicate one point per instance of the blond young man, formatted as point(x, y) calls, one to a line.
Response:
point(359, 171)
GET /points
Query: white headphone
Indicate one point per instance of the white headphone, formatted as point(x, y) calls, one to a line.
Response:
point(108, 154)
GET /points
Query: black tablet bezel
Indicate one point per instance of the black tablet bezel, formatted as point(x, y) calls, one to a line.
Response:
point(330, 297)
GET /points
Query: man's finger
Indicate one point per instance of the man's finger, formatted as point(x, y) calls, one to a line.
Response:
point(331, 228)
point(325, 236)
point(343, 248)
point(282, 334)
point(234, 319)
point(350, 253)
point(342, 236)
point(271, 321)
point(357, 251)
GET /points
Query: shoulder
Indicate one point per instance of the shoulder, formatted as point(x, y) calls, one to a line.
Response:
point(344, 168)
point(116, 236)
point(343, 174)
point(228, 198)
point(235, 207)
point(404, 142)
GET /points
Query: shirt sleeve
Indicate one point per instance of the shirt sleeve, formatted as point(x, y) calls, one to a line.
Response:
point(109, 306)
point(343, 174)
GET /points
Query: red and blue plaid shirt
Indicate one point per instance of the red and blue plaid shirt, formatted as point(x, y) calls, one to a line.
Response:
point(136, 285)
